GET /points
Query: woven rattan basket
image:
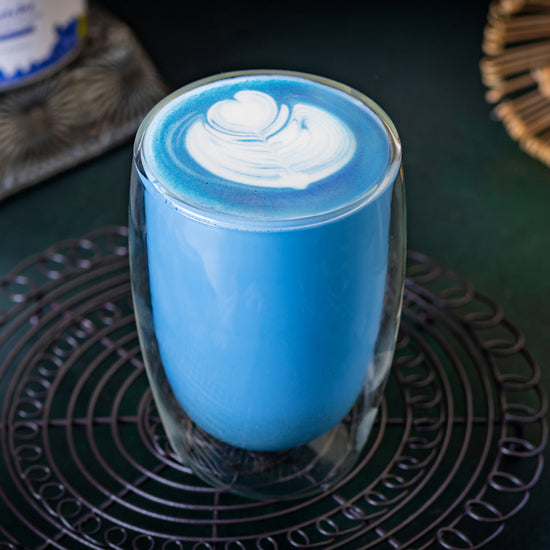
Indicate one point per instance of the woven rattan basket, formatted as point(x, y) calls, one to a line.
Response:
point(516, 69)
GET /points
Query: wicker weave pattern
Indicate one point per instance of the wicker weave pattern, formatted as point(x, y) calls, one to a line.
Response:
point(516, 70)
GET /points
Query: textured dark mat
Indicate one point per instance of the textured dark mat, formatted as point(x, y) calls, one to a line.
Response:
point(93, 104)
point(84, 462)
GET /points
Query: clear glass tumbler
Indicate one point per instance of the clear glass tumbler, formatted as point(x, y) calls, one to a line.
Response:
point(267, 246)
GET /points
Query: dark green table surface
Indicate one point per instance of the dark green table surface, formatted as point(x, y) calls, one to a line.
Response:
point(476, 203)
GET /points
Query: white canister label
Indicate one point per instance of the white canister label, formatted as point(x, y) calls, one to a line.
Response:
point(38, 35)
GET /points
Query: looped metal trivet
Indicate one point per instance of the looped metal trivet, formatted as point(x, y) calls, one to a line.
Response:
point(84, 462)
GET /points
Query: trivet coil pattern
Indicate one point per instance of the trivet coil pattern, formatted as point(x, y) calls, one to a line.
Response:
point(84, 462)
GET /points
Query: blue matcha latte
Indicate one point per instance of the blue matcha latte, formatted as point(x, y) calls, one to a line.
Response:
point(267, 212)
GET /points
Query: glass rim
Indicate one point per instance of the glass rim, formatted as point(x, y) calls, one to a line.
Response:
point(232, 221)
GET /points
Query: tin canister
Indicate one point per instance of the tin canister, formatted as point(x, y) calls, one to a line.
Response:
point(37, 37)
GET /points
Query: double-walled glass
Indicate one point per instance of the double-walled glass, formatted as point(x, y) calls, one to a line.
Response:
point(267, 346)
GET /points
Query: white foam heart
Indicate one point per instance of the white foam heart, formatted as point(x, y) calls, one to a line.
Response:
point(252, 140)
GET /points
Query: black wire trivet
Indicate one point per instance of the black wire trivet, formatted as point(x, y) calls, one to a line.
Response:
point(84, 462)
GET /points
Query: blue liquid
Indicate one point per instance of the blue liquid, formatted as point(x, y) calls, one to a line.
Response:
point(266, 335)
point(167, 160)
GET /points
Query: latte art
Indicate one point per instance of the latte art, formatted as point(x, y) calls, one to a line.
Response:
point(251, 140)
point(265, 149)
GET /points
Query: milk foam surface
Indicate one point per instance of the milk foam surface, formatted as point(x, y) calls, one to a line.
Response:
point(266, 147)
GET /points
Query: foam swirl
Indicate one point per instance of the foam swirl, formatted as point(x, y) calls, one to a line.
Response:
point(251, 140)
